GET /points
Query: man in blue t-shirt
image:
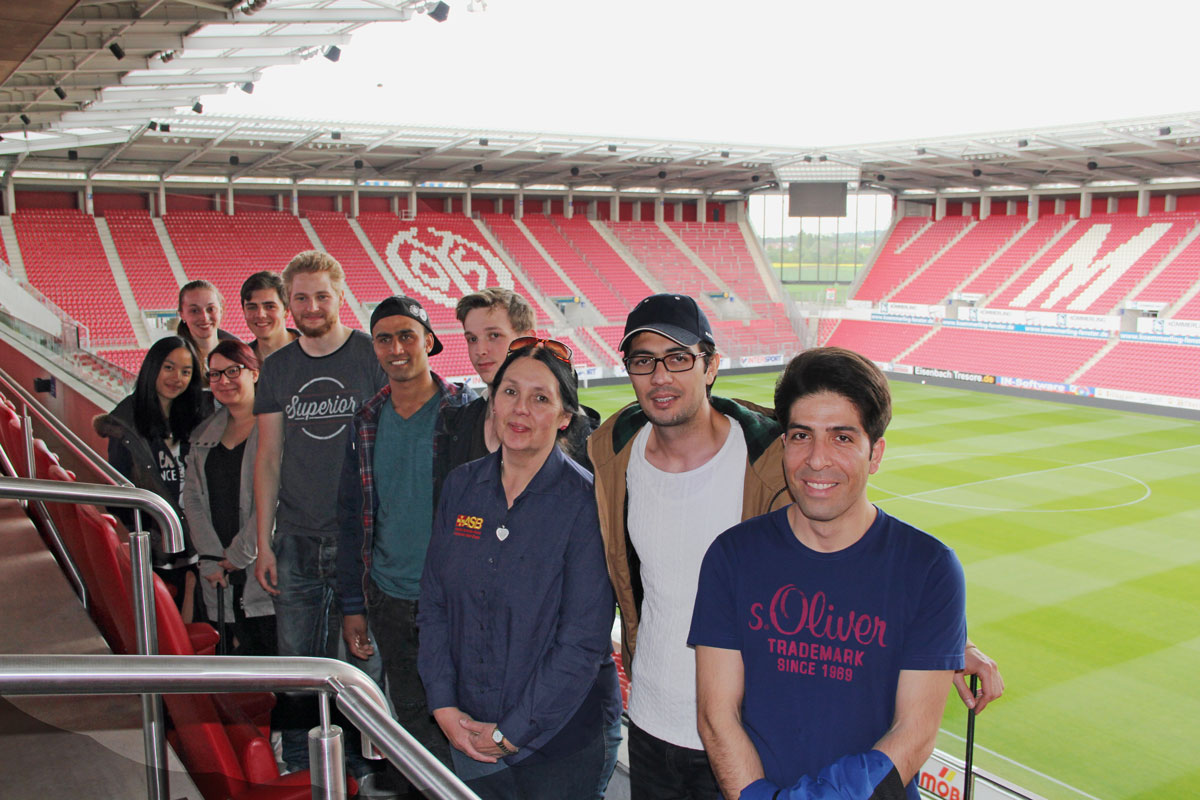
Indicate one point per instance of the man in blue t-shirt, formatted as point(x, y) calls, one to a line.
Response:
point(827, 633)
point(385, 507)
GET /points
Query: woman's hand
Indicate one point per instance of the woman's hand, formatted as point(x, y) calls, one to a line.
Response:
point(481, 733)
point(226, 565)
point(453, 723)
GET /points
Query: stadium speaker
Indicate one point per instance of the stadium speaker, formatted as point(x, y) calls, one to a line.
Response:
point(440, 12)
point(153, 125)
point(358, 163)
point(612, 148)
point(72, 155)
point(25, 120)
point(333, 52)
point(165, 127)
point(808, 159)
point(724, 154)
point(1092, 165)
point(479, 167)
point(1022, 143)
point(117, 51)
point(62, 95)
point(881, 177)
point(234, 161)
point(198, 108)
point(247, 87)
point(662, 173)
point(483, 141)
point(574, 170)
point(977, 172)
point(754, 179)
point(1165, 130)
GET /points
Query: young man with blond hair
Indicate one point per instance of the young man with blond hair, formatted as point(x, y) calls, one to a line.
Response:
point(306, 398)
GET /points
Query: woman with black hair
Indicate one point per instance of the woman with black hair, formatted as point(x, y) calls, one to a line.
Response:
point(516, 609)
point(148, 435)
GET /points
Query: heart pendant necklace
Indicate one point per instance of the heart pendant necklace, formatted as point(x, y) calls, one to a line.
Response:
point(502, 533)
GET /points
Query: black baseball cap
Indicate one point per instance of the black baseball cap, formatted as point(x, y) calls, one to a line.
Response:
point(675, 316)
point(400, 306)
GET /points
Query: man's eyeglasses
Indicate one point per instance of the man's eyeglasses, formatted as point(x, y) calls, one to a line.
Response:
point(557, 349)
point(231, 372)
point(674, 362)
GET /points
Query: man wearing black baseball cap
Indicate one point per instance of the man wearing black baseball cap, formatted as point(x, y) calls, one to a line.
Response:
point(385, 506)
point(673, 471)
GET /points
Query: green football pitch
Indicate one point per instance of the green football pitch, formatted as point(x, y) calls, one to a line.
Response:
point(1079, 530)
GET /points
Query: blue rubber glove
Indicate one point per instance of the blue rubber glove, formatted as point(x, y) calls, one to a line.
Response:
point(863, 776)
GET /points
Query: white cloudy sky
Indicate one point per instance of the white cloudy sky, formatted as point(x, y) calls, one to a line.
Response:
point(753, 71)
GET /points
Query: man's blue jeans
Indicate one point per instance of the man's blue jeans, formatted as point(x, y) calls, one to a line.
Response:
point(308, 622)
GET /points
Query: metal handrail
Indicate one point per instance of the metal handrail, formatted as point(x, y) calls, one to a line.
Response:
point(144, 620)
point(357, 696)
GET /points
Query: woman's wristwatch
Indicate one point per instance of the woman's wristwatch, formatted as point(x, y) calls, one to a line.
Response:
point(498, 738)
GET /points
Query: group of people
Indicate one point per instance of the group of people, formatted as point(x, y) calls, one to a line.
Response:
point(791, 639)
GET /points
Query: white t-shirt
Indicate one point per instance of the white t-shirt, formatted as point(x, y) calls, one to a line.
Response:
point(673, 518)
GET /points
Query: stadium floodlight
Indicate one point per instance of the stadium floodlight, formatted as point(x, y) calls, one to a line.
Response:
point(1091, 165)
point(234, 160)
point(62, 95)
point(977, 172)
point(117, 51)
point(333, 53)
point(152, 125)
point(358, 163)
point(881, 177)
point(440, 12)
point(25, 120)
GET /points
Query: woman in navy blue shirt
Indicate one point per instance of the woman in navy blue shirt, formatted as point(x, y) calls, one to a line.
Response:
point(516, 609)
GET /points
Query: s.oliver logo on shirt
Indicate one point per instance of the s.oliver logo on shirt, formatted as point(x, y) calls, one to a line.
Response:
point(321, 408)
point(814, 637)
point(468, 526)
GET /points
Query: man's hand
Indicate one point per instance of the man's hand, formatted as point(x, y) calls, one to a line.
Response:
point(450, 719)
point(991, 684)
point(217, 579)
point(354, 632)
point(481, 737)
point(264, 571)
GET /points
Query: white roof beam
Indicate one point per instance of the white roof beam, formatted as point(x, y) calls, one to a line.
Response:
point(112, 117)
point(223, 62)
point(323, 16)
point(267, 159)
point(12, 145)
point(112, 154)
point(272, 42)
point(577, 151)
point(185, 80)
point(110, 97)
point(208, 148)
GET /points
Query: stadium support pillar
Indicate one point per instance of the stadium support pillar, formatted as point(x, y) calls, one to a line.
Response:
point(412, 202)
point(593, 209)
point(467, 202)
point(1113, 204)
point(1169, 203)
point(162, 198)
point(89, 205)
point(939, 208)
point(614, 207)
point(637, 211)
point(354, 201)
point(985, 207)
point(394, 204)
point(1085, 205)
point(1143, 205)
point(10, 195)
point(1010, 207)
point(229, 199)
point(659, 211)
point(702, 208)
point(519, 209)
point(295, 202)
point(678, 211)
point(569, 206)
point(735, 211)
point(1033, 207)
point(1060, 205)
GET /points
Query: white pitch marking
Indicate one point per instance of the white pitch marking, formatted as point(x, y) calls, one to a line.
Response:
point(1030, 770)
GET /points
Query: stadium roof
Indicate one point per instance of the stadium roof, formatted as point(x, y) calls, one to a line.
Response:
point(103, 89)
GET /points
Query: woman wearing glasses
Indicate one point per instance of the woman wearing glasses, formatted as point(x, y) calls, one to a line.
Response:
point(516, 609)
point(218, 496)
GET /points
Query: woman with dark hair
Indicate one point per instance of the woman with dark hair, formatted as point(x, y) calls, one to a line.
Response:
point(516, 609)
point(218, 498)
point(201, 308)
point(148, 440)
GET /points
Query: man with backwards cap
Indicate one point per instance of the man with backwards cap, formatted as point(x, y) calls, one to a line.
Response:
point(672, 472)
point(385, 507)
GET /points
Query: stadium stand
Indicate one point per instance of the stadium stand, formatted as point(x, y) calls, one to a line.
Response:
point(521, 250)
point(603, 259)
point(1015, 256)
point(225, 249)
point(1163, 369)
point(664, 260)
point(721, 246)
point(65, 260)
point(890, 266)
point(935, 283)
point(1176, 278)
point(1022, 355)
point(595, 288)
point(150, 276)
point(880, 341)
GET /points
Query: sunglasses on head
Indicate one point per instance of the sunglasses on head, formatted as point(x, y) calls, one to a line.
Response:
point(556, 349)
